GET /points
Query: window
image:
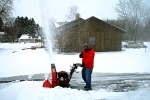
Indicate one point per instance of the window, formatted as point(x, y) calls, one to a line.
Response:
point(92, 40)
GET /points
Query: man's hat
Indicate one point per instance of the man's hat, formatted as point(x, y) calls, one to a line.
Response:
point(86, 47)
point(85, 44)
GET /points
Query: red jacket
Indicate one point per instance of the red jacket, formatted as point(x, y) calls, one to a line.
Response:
point(88, 58)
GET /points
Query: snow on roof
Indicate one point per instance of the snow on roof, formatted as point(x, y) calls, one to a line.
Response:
point(25, 36)
point(56, 24)
point(2, 33)
point(39, 37)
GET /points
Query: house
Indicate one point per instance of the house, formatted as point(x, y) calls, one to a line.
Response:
point(99, 34)
point(28, 39)
point(25, 38)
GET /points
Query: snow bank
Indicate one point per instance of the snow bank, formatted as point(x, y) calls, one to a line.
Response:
point(30, 90)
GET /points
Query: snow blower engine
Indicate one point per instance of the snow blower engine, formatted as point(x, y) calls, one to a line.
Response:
point(61, 78)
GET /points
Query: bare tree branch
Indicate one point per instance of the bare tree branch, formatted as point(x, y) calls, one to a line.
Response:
point(135, 13)
point(6, 6)
point(72, 13)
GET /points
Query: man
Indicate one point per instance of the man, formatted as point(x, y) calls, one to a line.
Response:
point(87, 56)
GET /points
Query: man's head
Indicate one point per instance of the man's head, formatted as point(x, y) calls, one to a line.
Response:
point(86, 47)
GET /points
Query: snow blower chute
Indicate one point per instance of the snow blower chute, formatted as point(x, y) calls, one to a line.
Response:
point(61, 78)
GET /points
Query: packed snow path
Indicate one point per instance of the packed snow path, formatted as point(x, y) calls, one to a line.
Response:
point(119, 82)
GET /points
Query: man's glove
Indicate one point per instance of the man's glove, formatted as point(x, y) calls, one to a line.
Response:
point(82, 65)
point(75, 66)
point(81, 55)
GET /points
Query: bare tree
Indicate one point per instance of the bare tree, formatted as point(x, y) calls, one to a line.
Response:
point(11, 29)
point(147, 30)
point(71, 15)
point(5, 9)
point(134, 12)
point(65, 34)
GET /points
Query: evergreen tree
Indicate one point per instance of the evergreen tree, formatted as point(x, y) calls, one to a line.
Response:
point(26, 26)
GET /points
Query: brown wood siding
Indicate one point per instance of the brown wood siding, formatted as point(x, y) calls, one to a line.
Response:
point(107, 37)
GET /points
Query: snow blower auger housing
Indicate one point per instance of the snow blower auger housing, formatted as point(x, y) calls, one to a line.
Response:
point(61, 78)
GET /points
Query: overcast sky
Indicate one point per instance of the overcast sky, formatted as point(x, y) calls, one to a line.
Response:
point(57, 9)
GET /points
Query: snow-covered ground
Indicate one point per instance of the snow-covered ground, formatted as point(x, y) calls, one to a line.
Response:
point(111, 70)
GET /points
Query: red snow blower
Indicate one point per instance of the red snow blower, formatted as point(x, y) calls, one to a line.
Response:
point(61, 78)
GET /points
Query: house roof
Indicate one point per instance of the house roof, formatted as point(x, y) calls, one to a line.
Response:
point(58, 24)
point(70, 24)
point(39, 37)
point(2, 33)
point(118, 28)
point(80, 20)
point(25, 36)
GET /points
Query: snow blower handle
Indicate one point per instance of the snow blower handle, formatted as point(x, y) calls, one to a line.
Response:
point(72, 70)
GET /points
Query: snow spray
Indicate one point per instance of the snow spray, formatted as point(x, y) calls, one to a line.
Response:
point(46, 27)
